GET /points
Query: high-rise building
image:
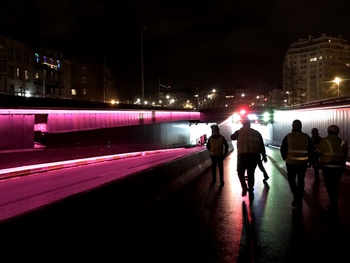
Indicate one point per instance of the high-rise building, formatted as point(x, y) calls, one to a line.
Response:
point(311, 67)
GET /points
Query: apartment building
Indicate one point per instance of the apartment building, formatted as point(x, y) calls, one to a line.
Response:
point(311, 66)
point(40, 72)
point(30, 72)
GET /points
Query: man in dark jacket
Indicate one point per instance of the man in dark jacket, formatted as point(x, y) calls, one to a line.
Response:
point(316, 139)
point(297, 150)
point(250, 149)
point(333, 152)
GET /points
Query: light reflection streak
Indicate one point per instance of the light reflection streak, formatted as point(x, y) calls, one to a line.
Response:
point(22, 170)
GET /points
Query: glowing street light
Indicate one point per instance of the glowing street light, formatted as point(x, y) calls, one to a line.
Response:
point(337, 81)
point(288, 101)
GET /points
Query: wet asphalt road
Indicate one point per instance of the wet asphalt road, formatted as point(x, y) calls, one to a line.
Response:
point(202, 223)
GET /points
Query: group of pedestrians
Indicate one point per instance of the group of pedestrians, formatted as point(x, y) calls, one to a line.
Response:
point(328, 154)
point(299, 151)
point(251, 152)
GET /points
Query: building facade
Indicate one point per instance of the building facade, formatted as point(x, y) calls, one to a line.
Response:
point(28, 71)
point(311, 67)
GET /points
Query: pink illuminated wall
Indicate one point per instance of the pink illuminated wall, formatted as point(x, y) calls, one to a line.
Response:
point(16, 131)
point(18, 125)
point(81, 120)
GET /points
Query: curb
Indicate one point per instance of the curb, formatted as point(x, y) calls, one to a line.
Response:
point(45, 167)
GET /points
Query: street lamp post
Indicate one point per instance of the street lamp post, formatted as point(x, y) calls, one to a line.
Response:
point(142, 75)
point(288, 101)
point(161, 85)
point(197, 98)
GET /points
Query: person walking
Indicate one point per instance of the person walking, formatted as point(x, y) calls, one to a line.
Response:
point(250, 148)
point(218, 148)
point(297, 150)
point(333, 152)
point(316, 139)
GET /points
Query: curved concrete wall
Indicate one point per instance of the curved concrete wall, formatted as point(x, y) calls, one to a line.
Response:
point(160, 135)
point(320, 118)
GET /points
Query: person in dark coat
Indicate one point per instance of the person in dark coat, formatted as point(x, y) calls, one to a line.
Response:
point(250, 150)
point(316, 139)
point(333, 152)
point(298, 152)
point(218, 148)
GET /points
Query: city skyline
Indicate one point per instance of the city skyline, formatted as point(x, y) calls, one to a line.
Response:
point(221, 45)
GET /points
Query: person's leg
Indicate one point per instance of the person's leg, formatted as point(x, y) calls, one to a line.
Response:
point(262, 168)
point(301, 170)
point(332, 179)
point(221, 168)
point(213, 168)
point(291, 174)
point(327, 180)
point(241, 173)
point(316, 170)
point(251, 166)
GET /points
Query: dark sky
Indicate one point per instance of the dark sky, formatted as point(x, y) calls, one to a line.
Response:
point(222, 44)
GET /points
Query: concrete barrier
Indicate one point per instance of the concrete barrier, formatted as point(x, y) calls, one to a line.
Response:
point(145, 190)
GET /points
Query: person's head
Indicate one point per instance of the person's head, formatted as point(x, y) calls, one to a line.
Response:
point(296, 125)
point(333, 130)
point(215, 129)
point(246, 123)
point(314, 132)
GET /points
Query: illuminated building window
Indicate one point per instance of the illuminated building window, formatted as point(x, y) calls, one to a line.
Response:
point(26, 75)
point(84, 91)
point(74, 92)
point(36, 75)
point(313, 59)
point(17, 73)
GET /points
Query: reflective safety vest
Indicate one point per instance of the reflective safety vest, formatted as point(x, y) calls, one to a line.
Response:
point(217, 145)
point(297, 148)
point(333, 151)
point(249, 141)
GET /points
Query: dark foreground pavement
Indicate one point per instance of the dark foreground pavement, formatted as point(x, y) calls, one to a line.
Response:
point(200, 223)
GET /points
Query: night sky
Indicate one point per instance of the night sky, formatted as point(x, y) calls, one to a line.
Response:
point(222, 44)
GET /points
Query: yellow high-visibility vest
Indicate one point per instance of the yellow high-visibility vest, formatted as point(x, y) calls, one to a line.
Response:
point(248, 141)
point(333, 152)
point(217, 146)
point(297, 148)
